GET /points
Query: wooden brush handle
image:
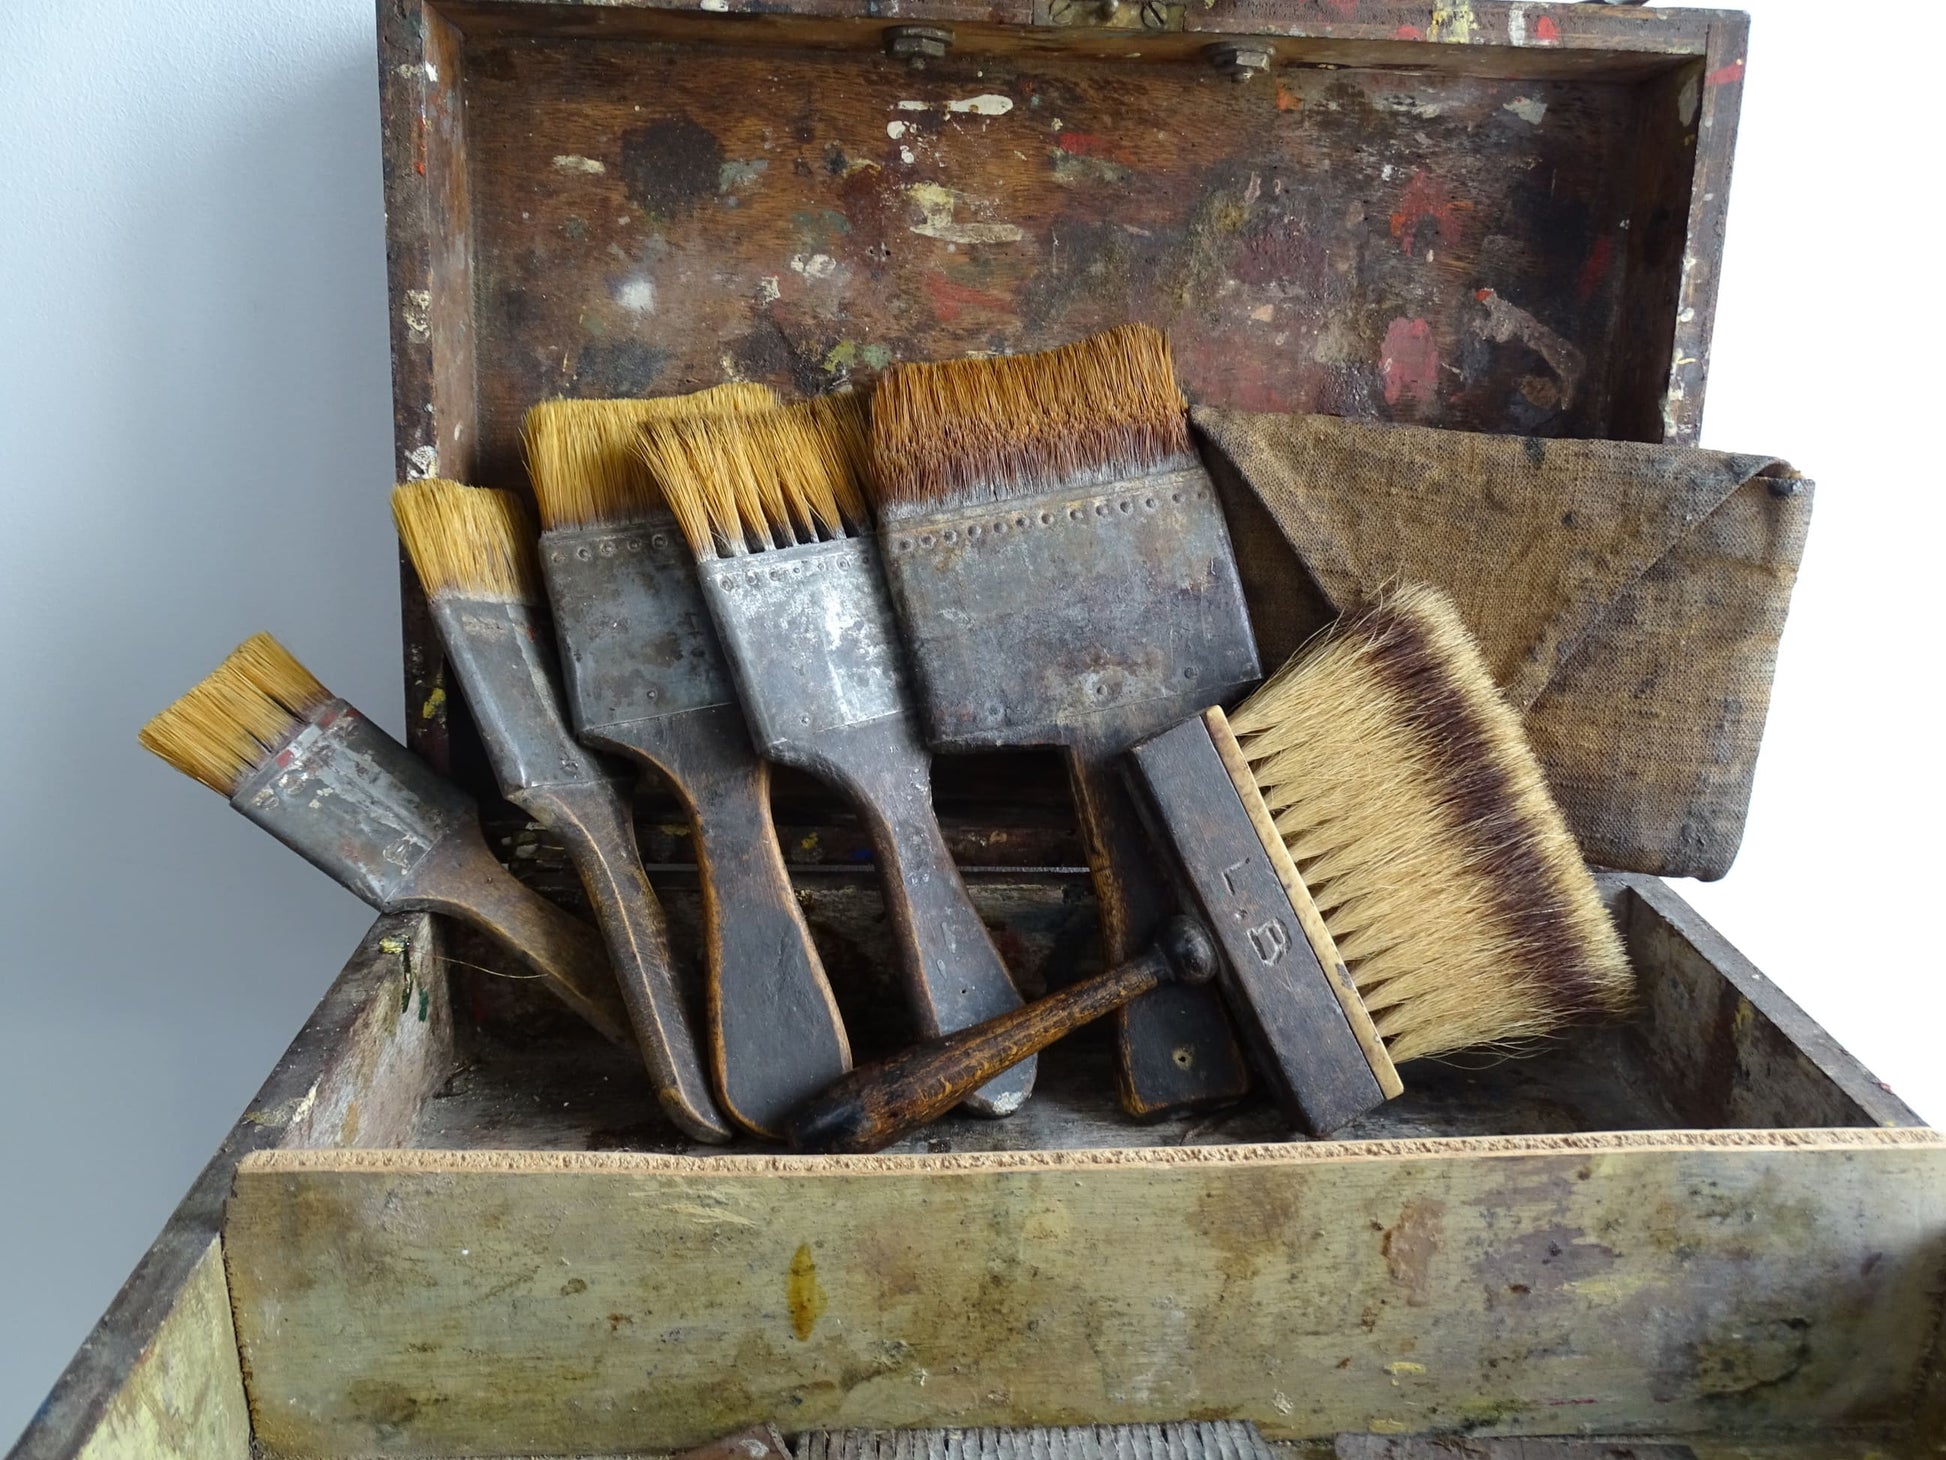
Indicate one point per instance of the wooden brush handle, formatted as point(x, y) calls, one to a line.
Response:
point(953, 972)
point(775, 1034)
point(460, 878)
point(873, 1106)
point(1175, 1048)
point(600, 840)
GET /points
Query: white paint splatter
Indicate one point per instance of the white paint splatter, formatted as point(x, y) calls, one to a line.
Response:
point(895, 130)
point(1408, 105)
point(814, 266)
point(990, 105)
point(915, 106)
point(1282, 1402)
point(637, 296)
point(575, 162)
point(1517, 25)
point(417, 314)
point(767, 290)
point(716, 6)
point(422, 461)
point(905, 155)
point(937, 206)
point(1529, 109)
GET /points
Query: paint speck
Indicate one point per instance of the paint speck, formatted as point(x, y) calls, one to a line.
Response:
point(1529, 109)
point(937, 206)
point(1724, 75)
point(1387, 1427)
point(803, 1294)
point(417, 314)
point(905, 156)
point(1452, 20)
point(1546, 32)
point(1517, 25)
point(1409, 363)
point(1405, 1367)
point(716, 7)
point(1282, 1402)
point(435, 702)
point(423, 461)
point(895, 130)
point(990, 105)
point(733, 175)
point(814, 266)
point(915, 106)
point(1263, 313)
point(637, 296)
point(575, 162)
point(768, 291)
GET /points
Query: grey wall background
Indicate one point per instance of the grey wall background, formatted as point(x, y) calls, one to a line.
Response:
point(195, 444)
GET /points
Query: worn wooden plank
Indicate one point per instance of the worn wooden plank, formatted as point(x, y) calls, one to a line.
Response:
point(445, 1303)
point(150, 1370)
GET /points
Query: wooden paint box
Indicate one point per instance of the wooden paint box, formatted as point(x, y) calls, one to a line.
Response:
point(451, 1223)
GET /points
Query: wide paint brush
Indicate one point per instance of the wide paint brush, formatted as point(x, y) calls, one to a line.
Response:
point(1063, 575)
point(474, 553)
point(645, 679)
point(773, 508)
point(348, 798)
point(1378, 875)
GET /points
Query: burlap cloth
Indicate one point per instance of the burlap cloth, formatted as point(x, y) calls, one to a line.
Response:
point(1629, 598)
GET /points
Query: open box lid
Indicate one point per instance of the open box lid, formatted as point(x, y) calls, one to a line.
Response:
point(1495, 217)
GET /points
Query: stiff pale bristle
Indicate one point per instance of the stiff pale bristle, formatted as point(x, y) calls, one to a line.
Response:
point(245, 711)
point(1405, 790)
point(775, 479)
point(582, 456)
point(468, 542)
point(964, 433)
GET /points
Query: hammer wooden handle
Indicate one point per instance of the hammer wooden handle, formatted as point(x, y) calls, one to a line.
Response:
point(875, 1105)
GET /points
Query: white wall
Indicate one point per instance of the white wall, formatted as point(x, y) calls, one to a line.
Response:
point(194, 443)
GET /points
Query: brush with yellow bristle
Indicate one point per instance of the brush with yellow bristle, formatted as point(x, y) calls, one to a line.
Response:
point(645, 679)
point(773, 507)
point(1378, 874)
point(1064, 577)
point(474, 552)
point(316, 774)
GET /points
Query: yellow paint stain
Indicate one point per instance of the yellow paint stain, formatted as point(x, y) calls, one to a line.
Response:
point(1404, 1367)
point(672, 829)
point(803, 1293)
point(435, 702)
point(1452, 20)
point(1387, 1427)
point(809, 843)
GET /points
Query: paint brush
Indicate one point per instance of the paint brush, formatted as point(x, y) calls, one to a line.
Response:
point(336, 789)
point(1378, 875)
point(1064, 576)
point(773, 508)
point(474, 553)
point(645, 679)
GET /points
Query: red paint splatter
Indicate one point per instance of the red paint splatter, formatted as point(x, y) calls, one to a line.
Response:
point(1408, 33)
point(1546, 31)
point(1409, 363)
point(1724, 75)
point(1424, 198)
point(949, 300)
point(1088, 144)
point(1285, 101)
point(1595, 269)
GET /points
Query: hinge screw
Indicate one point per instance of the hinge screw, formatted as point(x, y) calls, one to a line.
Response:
point(1240, 60)
point(918, 44)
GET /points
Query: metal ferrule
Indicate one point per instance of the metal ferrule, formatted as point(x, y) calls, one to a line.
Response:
point(354, 803)
point(811, 641)
point(505, 662)
point(635, 635)
point(1031, 616)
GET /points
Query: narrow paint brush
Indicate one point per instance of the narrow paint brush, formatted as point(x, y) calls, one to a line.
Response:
point(773, 508)
point(645, 679)
point(368, 813)
point(1064, 576)
point(1379, 875)
point(474, 553)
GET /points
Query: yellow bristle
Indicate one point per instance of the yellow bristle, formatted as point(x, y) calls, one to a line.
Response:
point(967, 432)
point(1406, 792)
point(243, 712)
point(775, 479)
point(582, 457)
point(467, 541)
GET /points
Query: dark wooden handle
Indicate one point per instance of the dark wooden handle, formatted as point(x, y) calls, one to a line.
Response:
point(600, 840)
point(873, 1106)
point(1175, 1048)
point(775, 1033)
point(459, 877)
point(953, 972)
